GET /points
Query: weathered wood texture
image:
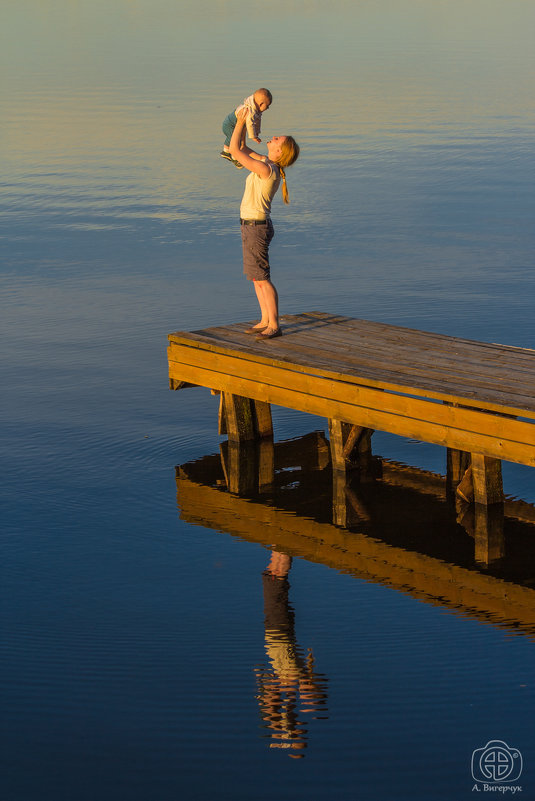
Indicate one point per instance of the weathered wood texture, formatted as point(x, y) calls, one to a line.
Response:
point(468, 396)
point(244, 419)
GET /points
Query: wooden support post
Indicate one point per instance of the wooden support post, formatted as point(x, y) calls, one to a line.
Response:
point(222, 417)
point(243, 419)
point(239, 418)
point(350, 446)
point(482, 481)
point(487, 479)
point(262, 419)
point(457, 463)
point(337, 429)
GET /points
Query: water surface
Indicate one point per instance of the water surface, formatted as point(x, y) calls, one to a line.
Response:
point(134, 640)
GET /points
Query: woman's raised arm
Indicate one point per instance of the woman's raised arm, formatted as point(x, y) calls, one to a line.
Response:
point(246, 156)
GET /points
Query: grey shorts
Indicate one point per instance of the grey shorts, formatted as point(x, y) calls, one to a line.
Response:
point(255, 241)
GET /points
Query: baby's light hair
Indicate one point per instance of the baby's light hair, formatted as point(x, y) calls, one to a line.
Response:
point(265, 93)
point(289, 154)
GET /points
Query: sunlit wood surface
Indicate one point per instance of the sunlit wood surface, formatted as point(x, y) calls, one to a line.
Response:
point(471, 396)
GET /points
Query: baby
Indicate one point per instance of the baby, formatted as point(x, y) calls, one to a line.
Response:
point(255, 104)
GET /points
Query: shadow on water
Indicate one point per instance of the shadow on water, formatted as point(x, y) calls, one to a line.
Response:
point(385, 523)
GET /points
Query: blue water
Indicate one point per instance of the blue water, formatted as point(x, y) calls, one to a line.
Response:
point(132, 638)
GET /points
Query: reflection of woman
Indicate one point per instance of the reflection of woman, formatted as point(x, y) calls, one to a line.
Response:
point(266, 173)
point(289, 685)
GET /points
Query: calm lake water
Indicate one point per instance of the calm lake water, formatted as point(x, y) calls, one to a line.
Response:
point(145, 655)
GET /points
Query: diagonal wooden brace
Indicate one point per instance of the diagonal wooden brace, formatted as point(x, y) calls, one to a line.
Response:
point(350, 444)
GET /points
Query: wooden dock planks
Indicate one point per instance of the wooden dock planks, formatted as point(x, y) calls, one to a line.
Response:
point(465, 395)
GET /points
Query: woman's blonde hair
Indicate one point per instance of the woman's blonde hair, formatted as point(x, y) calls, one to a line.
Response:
point(289, 154)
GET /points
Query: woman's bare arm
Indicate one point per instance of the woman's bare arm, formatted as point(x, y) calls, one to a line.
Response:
point(245, 155)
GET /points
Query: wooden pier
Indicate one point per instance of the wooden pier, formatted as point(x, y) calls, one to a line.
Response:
point(476, 399)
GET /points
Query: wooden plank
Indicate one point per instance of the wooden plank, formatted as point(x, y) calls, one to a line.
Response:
point(380, 332)
point(418, 360)
point(440, 434)
point(398, 338)
point(419, 357)
point(373, 371)
point(360, 332)
point(445, 341)
point(495, 401)
point(453, 416)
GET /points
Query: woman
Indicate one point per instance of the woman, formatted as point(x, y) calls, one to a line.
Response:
point(261, 185)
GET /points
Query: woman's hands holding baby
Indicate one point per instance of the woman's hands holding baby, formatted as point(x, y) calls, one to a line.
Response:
point(241, 117)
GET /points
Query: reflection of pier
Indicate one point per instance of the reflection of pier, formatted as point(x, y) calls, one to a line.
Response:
point(474, 398)
point(389, 524)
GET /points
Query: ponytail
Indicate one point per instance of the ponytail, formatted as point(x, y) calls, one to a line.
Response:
point(285, 195)
point(289, 154)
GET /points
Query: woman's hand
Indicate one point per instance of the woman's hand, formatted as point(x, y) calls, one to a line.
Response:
point(241, 116)
point(253, 161)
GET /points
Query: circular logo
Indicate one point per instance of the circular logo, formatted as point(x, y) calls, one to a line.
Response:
point(497, 763)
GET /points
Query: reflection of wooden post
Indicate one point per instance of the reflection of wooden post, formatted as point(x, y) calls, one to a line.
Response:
point(248, 467)
point(340, 508)
point(266, 464)
point(348, 509)
point(239, 466)
point(243, 419)
point(488, 534)
point(350, 446)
